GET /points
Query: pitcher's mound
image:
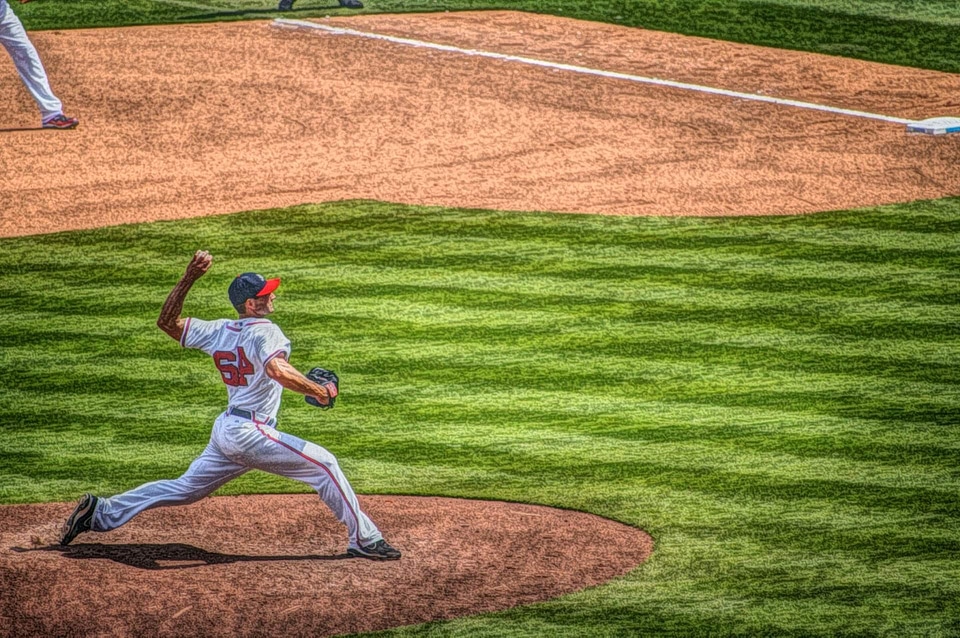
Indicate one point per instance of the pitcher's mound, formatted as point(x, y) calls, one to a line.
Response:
point(277, 565)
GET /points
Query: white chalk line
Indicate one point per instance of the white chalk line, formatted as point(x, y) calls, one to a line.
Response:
point(586, 70)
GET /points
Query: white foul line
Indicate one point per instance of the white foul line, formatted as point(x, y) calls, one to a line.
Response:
point(589, 71)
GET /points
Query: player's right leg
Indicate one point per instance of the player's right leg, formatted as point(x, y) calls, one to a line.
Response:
point(207, 472)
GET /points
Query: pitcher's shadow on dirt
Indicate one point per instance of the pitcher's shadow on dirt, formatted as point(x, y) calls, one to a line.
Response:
point(150, 556)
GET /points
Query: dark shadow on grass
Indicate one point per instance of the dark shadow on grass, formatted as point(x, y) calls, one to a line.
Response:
point(150, 556)
point(254, 12)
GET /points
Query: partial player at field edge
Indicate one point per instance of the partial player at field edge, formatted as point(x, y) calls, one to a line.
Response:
point(27, 62)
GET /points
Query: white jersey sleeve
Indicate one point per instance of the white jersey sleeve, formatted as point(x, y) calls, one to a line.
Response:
point(202, 335)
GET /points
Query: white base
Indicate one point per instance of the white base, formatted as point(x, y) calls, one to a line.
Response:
point(936, 126)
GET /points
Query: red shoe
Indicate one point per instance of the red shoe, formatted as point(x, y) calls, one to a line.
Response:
point(62, 122)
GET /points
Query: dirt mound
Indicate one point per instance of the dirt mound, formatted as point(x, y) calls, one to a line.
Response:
point(277, 565)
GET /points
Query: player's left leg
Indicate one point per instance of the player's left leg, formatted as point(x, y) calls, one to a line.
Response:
point(290, 456)
point(14, 39)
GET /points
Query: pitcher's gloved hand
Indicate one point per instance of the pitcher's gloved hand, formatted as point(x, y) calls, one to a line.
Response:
point(327, 379)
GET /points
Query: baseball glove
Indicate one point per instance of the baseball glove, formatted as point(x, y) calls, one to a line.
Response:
point(327, 379)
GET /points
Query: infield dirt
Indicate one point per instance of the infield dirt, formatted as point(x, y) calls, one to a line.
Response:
point(179, 121)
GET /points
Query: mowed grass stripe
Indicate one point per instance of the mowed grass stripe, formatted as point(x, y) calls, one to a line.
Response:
point(668, 272)
point(665, 375)
point(774, 399)
point(737, 294)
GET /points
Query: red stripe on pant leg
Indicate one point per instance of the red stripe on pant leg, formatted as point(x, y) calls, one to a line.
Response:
point(322, 467)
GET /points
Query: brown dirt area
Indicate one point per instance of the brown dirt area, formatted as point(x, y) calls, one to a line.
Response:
point(276, 566)
point(179, 121)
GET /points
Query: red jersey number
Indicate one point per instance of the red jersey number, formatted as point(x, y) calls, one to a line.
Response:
point(234, 367)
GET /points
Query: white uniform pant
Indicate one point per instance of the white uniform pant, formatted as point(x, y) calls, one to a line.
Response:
point(15, 41)
point(236, 446)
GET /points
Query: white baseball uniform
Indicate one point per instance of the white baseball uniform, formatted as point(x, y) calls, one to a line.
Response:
point(244, 437)
point(25, 59)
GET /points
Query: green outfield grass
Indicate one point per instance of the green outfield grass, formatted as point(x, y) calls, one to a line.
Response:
point(920, 34)
point(776, 400)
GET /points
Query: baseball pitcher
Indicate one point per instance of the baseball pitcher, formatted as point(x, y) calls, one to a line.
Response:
point(252, 356)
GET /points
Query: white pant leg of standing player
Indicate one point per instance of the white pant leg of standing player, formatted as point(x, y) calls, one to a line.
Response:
point(27, 62)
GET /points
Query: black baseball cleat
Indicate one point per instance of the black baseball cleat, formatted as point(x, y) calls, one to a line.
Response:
point(380, 550)
point(79, 521)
